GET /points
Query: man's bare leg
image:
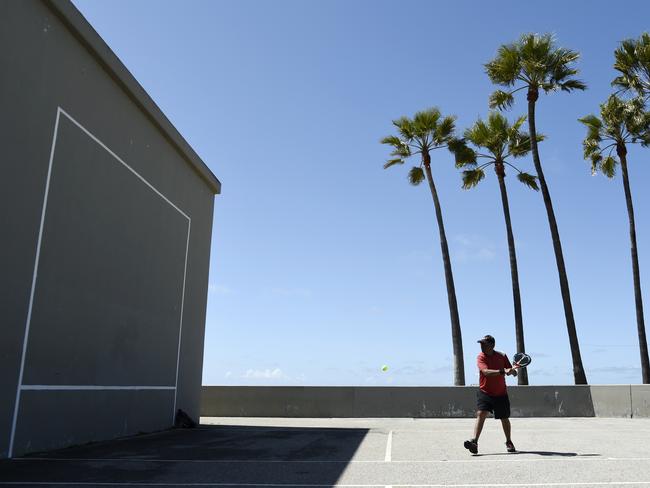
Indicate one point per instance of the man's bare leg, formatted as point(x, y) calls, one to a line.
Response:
point(506, 428)
point(481, 415)
point(472, 444)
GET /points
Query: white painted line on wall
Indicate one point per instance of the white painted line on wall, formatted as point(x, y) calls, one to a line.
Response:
point(92, 136)
point(180, 331)
point(20, 385)
point(91, 387)
point(389, 447)
point(31, 294)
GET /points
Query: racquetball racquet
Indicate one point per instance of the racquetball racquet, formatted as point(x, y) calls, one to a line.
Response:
point(521, 360)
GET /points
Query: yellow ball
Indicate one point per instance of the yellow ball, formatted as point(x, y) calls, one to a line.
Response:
point(384, 368)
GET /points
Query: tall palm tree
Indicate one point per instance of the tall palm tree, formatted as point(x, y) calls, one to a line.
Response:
point(425, 132)
point(632, 60)
point(531, 64)
point(621, 122)
point(496, 142)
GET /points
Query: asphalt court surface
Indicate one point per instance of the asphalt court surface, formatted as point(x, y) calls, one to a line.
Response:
point(289, 452)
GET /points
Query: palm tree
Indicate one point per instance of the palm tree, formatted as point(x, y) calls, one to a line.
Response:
point(621, 122)
point(425, 132)
point(531, 64)
point(632, 60)
point(500, 141)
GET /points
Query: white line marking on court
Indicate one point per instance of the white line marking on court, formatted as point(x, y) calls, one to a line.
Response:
point(350, 461)
point(389, 446)
point(31, 295)
point(328, 485)
point(91, 387)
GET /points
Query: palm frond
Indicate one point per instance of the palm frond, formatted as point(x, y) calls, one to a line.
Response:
point(529, 180)
point(592, 141)
point(501, 100)
point(591, 121)
point(498, 124)
point(403, 151)
point(416, 175)
point(608, 166)
point(596, 159)
point(445, 130)
point(590, 147)
point(393, 162)
point(472, 177)
point(463, 154)
point(426, 121)
point(504, 69)
point(478, 134)
point(520, 145)
point(516, 125)
point(405, 127)
point(392, 140)
point(632, 61)
point(400, 148)
point(571, 85)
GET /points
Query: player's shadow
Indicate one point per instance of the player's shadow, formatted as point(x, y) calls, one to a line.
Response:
point(541, 453)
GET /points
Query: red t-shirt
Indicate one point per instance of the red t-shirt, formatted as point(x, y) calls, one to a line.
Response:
point(492, 385)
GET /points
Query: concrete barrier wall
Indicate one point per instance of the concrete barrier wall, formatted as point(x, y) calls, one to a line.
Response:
point(421, 402)
point(640, 398)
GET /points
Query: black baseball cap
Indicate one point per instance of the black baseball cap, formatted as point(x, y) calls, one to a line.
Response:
point(488, 339)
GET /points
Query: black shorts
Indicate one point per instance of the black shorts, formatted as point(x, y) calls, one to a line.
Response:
point(500, 405)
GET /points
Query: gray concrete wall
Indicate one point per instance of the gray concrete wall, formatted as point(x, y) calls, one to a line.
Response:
point(421, 402)
point(640, 395)
point(613, 400)
point(106, 218)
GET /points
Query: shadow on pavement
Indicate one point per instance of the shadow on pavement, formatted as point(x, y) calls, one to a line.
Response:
point(220, 454)
point(540, 453)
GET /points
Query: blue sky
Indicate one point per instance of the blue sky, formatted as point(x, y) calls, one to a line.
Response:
point(324, 265)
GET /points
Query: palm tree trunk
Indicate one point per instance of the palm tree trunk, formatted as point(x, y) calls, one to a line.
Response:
point(578, 370)
point(643, 344)
point(456, 337)
point(516, 296)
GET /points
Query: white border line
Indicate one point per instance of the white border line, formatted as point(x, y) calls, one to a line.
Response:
point(20, 385)
point(572, 459)
point(328, 485)
point(180, 332)
point(89, 134)
point(31, 294)
point(389, 446)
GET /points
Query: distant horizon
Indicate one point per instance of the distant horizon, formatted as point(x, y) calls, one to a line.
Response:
point(325, 266)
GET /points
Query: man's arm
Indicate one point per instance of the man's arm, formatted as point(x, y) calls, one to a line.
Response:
point(508, 365)
point(493, 372)
point(508, 368)
point(485, 371)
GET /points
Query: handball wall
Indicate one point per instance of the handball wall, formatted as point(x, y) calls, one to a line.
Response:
point(106, 220)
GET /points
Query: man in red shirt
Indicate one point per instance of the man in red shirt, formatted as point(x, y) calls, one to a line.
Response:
point(492, 395)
